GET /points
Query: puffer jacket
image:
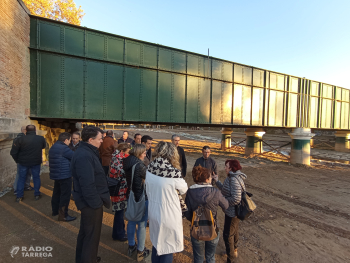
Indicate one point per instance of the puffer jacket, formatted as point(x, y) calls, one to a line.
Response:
point(232, 190)
point(139, 175)
point(207, 196)
point(59, 161)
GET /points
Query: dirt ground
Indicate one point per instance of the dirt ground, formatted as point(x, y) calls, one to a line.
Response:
point(303, 214)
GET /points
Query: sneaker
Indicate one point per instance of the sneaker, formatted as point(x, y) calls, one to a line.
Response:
point(141, 255)
point(19, 199)
point(132, 249)
point(29, 188)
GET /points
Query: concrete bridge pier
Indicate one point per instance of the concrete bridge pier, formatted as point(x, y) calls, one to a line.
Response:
point(226, 138)
point(254, 143)
point(300, 151)
point(342, 143)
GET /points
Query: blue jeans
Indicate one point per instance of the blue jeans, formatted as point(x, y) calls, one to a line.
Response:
point(27, 183)
point(141, 230)
point(118, 225)
point(23, 171)
point(207, 248)
point(167, 258)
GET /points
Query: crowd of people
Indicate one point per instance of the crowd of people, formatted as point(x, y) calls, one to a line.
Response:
point(85, 165)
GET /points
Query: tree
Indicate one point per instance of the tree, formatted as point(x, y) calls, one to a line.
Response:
point(59, 10)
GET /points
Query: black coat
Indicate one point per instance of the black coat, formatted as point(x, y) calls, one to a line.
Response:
point(72, 147)
point(27, 150)
point(90, 187)
point(128, 140)
point(139, 175)
point(182, 160)
point(207, 196)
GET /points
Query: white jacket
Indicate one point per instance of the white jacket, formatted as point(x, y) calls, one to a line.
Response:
point(164, 212)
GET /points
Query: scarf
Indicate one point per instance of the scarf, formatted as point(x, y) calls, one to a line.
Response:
point(163, 168)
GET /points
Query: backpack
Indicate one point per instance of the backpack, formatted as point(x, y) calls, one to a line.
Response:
point(203, 226)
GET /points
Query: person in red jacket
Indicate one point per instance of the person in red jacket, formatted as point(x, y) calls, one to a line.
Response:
point(120, 200)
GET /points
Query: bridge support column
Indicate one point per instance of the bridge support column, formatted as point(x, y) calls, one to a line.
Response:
point(300, 152)
point(226, 138)
point(253, 142)
point(342, 143)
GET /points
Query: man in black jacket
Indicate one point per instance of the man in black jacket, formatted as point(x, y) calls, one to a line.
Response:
point(59, 161)
point(27, 186)
point(207, 162)
point(175, 139)
point(147, 141)
point(125, 138)
point(27, 152)
point(74, 144)
point(90, 192)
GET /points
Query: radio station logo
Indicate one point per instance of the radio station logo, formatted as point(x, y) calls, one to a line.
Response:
point(31, 251)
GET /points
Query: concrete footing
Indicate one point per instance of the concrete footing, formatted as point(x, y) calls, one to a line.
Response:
point(253, 142)
point(342, 143)
point(226, 138)
point(300, 151)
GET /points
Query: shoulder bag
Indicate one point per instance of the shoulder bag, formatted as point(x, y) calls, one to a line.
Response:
point(246, 207)
point(135, 210)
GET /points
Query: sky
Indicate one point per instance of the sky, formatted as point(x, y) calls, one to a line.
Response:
point(304, 38)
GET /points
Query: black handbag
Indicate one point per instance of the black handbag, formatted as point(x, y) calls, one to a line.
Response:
point(246, 207)
point(113, 186)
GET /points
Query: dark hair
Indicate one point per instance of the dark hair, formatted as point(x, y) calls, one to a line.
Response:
point(234, 165)
point(200, 174)
point(126, 132)
point(76, 133)
point(90, 132)
point(145, 138)
point(30, 127)
point(109, 133)
point(64, 136)
point(137, 134)
point(206, 148)
point(122, 147)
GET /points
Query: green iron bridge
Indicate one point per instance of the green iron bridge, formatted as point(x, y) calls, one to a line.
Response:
point(83, 74)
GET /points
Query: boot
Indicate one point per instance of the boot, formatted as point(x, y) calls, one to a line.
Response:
point(63, 217)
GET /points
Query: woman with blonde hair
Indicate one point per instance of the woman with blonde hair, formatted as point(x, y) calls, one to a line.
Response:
point(163, 183)
point(137, 154)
